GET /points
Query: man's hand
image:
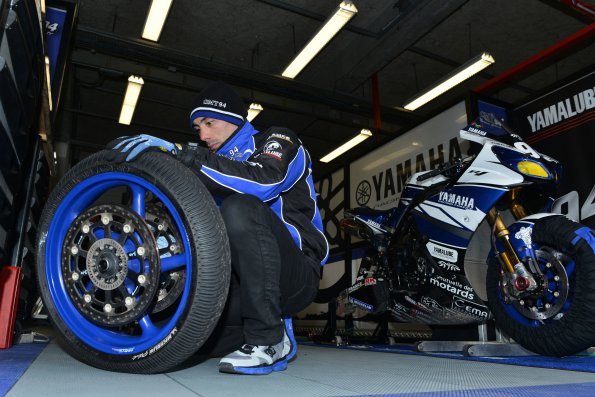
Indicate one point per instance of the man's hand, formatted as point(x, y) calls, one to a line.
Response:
point(128, 148)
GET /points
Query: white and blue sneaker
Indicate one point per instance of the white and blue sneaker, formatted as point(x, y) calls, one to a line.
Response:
point(289, 343)
point(262, 360)
point(255, 360)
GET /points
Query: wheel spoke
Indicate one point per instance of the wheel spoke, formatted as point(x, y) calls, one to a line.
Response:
point(134, 265)
point(147, 326)
point(138, 200)
point(172, 262)
point(124, 290)
point(122, 239)
point(108, 296)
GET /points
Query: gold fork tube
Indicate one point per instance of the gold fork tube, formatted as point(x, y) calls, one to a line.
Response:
point(509, 256)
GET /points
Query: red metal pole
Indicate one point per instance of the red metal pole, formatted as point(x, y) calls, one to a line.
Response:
point(573, 39)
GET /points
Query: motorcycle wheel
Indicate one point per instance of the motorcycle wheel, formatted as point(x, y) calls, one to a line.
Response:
point(133, 263)
point(558, 319)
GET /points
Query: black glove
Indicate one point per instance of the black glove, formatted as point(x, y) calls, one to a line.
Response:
point(192, 155)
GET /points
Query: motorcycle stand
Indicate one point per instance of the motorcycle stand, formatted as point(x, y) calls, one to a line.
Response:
point(502, 346)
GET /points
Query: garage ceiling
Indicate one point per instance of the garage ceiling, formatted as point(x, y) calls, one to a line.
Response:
point(408, 44)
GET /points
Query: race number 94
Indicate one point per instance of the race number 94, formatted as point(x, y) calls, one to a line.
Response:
point(569, 205)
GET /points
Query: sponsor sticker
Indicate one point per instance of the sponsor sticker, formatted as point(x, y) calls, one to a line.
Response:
point(364, 305)
point(273, 149)
point(281, 136)
point(441, 252)
point(470, 308)
point(449, 266)
point(456, 200)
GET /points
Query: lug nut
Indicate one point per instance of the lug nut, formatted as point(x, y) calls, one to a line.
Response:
point(86, 229)
point(556, 278)
point(74, 250)
point(160, 226)
point(107, 308)
point(126, 228)
point(548, 265)
point(556, 294)
point(548, 305)
point(141, 279)
point(75, 276)
point(87, 298)
point(140, 251)
point(522, 302)
point(104, 220)
point(172, 247)
point(128, 301)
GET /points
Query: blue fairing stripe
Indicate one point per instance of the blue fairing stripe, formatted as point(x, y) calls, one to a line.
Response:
point(586, 234)
point(263, 191)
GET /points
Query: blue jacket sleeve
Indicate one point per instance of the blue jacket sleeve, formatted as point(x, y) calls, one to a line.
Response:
point(274, 167)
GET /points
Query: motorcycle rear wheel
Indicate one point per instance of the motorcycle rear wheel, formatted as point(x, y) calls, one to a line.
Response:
point(559, 321)
point(133, 263)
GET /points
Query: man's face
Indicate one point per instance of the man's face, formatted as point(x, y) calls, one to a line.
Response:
point(213, 131)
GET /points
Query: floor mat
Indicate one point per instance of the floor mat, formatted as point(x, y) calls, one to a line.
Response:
point(584, 362)
point(15, 361)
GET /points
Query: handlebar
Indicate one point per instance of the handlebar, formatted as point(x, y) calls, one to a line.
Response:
point(440, 170)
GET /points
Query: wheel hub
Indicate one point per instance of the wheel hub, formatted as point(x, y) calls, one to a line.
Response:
point(107, 264)
point(110, 264)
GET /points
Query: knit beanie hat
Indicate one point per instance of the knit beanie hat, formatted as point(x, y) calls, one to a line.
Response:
point(219, 101)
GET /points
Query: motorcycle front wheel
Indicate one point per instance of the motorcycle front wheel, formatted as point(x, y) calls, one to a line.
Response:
point(133, 263)
point(558, 318)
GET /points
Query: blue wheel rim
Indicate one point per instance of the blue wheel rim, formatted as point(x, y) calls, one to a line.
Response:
point(74, 203)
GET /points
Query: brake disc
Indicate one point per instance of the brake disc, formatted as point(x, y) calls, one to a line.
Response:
point(169, 243)
point(550, 297)
point(110, 265)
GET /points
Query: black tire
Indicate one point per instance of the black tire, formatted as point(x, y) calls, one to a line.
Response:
point(573, 330)
point(204, 293)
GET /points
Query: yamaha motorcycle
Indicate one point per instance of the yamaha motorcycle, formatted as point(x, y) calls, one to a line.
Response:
point(473, 240)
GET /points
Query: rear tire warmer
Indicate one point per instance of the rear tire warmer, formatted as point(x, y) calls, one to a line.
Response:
point(572, 331)
point(105, 306)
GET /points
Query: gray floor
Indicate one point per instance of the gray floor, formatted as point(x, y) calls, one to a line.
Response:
point(317, 371)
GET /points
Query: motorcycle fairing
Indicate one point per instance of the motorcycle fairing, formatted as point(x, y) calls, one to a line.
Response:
point(453, 214)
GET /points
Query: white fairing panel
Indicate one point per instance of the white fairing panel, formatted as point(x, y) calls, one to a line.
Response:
point(487, 170)
point(463, 218)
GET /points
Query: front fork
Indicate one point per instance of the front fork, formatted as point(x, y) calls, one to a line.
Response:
point(522, 279)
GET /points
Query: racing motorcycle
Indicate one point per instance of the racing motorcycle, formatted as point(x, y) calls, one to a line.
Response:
point(474, 240)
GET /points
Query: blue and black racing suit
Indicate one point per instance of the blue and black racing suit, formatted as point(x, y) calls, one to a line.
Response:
point(263, 184)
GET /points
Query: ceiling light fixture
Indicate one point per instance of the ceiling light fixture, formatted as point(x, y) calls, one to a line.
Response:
point(344, 12)
point(253, 110)
point(135, 84)
point(461, 74)
point(362, 136)
point(48, 81)
point(155, 19)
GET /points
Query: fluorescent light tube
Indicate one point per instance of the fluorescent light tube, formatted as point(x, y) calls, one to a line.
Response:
point(253, 110)
point(331, 27)
point(155, 19)
point(135, 84)
point(461, 74)
point(48, 81)
point(362, 136)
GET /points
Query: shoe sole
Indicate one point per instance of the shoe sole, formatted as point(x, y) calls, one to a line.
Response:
point(230, 369)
